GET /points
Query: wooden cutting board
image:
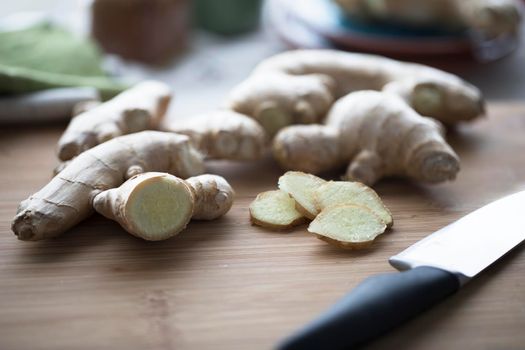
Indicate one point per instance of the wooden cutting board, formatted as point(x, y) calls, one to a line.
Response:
point(229, 285)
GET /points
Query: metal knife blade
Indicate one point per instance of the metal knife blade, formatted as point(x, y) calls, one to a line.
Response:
point(469, 245)
point(436, 268)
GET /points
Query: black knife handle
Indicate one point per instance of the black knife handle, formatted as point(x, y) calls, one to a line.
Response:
point(376, 305)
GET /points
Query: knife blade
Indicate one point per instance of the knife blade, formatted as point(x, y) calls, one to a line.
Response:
point(433, 269)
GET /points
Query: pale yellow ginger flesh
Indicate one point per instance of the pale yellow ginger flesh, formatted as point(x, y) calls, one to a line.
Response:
point(213, 196)
point(275, 210)
point(142, 107)
point(347, 226)
point(157, 206)
point(302, 187)
point(376, 134)
point(68, 198)
point(299, 87)
point(223, 134)
point(153, 206)
point(355, 193)
point(491, 18)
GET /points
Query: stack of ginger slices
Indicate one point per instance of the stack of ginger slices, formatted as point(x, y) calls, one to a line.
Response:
point(348, 214)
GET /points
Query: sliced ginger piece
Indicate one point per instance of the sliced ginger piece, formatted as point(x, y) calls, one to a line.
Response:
point(302, 187)
point(275, 210)
point(347, 226)
point(344, 192)
point(152, 206)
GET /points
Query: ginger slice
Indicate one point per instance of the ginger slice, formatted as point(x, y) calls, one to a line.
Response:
point(275, 210)
point(344, 192)
point(347, 226)
point(302, 187)
point(152, 206)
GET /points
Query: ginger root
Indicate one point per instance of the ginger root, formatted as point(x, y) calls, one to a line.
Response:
point(490, 18)
point(298, 87)
point(156, 206)
point(275, 210)
point(67, 199)
point(377, 134)
point(347, 226)
point(139, 108)
point(223, 134)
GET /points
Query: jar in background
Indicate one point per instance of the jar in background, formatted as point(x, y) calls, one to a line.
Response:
point(150, 31)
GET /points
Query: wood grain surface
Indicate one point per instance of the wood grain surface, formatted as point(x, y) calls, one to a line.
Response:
point(229, 285)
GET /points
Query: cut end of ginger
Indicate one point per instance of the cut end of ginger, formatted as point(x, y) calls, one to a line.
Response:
point(347, 226)
point(302, 187)
point(355, 193)
point(275, 210)
point(159, 208)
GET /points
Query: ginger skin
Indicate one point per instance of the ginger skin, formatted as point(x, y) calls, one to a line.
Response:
point(67, 199)
point(139, 108)
point(379, 136)
point(213, 196)
point(223, 134)
point(299, 87)
point(156, 206)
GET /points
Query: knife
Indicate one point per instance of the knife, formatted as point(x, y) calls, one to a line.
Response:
point(434, 268)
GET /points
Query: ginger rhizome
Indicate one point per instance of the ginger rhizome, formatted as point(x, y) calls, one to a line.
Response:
point(67, 199)
point(140, 108)
point(348, 214)
point(374, 134)
point(299, 87)
point(223, 134)
point(213, 196)
point(156, 206)
point(491, 18)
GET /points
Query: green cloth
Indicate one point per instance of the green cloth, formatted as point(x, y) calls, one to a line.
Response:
point(45, 56)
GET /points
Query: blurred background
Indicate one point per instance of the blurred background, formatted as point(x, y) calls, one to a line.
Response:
point(203, 48)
